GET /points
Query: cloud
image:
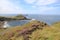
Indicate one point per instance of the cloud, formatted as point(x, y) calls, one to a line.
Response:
point(40, 2)
point(30, 1)
point(30, 6)
point(8, 7)
point(45, 2)
point(43, 6)
point(41, 10)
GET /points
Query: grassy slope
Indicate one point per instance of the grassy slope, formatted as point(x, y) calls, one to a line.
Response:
point(47, 33)
point(19, 17)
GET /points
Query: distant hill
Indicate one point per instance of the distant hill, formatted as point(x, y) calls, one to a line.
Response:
point(18, 17)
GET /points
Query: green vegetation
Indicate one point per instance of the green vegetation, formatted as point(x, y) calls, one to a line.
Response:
point(34, 30)
point(18, 17)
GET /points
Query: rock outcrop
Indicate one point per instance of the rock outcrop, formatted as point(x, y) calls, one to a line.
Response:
point(1, 24)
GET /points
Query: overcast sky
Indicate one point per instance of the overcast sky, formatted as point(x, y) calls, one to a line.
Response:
point(30, 7)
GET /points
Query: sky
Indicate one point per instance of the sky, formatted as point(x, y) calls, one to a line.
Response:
point(44, 7)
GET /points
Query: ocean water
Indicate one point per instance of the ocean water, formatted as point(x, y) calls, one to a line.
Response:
point(15, 23)
point(49, 19)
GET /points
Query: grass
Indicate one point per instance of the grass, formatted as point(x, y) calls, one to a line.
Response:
point(19, 17)
point(47, 33)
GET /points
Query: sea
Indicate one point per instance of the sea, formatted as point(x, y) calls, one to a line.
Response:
point(49, 19)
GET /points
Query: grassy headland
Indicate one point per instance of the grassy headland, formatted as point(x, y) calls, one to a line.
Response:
point(18, 17)
point(24, 32)
point(34, 30)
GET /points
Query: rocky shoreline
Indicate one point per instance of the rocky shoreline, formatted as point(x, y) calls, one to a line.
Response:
point(1, 24)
